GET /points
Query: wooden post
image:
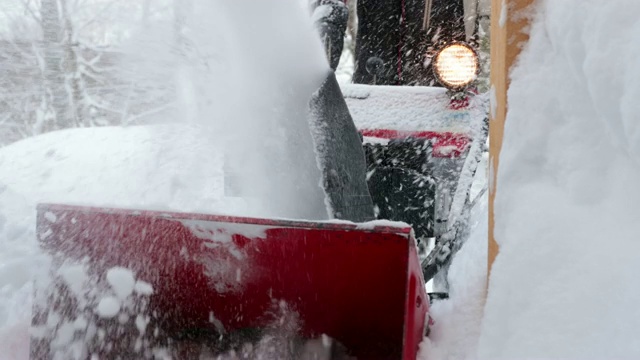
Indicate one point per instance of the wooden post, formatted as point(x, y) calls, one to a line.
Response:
point(508, 35)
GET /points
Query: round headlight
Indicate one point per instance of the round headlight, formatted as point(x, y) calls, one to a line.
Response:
point(456, 66)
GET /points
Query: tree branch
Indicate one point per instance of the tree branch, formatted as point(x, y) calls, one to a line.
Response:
point(98, 15)
point(27, 7)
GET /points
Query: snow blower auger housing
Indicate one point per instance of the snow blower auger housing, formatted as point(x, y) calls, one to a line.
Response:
point(214, 276)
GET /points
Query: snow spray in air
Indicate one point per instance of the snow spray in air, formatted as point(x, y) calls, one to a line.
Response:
point(248, 72)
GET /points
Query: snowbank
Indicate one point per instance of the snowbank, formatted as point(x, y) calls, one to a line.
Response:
point(564, 284)
point(167, 167)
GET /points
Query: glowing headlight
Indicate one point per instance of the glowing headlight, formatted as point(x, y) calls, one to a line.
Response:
point(456, 66)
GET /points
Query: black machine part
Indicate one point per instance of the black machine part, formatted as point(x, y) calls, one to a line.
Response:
point(401, 185)
point(457, 223)
point(339, 154)
point(331, 26)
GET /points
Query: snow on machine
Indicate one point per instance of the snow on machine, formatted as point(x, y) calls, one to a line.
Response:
point(268, 288)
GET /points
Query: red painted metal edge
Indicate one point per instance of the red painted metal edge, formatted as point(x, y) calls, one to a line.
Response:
point(327, 225)
point(445, 144)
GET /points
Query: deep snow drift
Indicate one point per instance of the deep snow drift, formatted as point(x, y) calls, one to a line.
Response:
point(564, 284)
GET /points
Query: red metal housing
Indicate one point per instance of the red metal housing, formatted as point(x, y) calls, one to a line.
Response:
point(362, 285)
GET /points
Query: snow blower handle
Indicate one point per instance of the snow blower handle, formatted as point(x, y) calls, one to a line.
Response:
point(452, 240)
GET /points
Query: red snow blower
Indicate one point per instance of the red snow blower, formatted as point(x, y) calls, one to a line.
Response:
point(244, 288)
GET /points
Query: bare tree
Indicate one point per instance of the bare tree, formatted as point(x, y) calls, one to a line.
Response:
point(182, 9)
point(78, 106)
point(55, 93)
point(352, 26)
